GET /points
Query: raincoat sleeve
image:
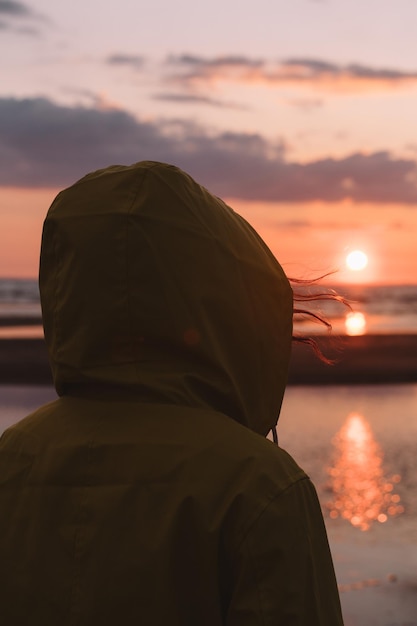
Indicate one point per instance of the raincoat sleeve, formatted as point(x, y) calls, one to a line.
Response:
point(283, 573)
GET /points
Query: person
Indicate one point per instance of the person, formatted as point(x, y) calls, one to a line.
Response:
point(148, 493)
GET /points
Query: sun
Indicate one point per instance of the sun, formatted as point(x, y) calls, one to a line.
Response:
point(356, 260)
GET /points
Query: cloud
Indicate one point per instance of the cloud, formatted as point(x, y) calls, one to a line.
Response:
point(189, 98)
point(43, 144)
point(304, 69)
point(220, 62)
point(100, 101)
point(193, 71)
point(189, 70)
point(195, 75)
point(131, 60)
point(14, 9)
point(14, 12)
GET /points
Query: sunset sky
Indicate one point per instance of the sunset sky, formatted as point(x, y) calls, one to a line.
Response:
point(301, 114)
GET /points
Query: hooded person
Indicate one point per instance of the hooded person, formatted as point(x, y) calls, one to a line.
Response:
point(147, 493)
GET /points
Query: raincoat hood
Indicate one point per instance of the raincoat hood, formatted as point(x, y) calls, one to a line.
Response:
point(150, 285)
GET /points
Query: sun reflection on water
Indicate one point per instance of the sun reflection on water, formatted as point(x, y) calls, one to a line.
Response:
point(355, 323)
point(361, 493)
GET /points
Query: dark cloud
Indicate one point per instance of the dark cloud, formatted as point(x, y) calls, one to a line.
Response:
point(188, 69)
point(189, 98)
point(195, 75)
point(185, 59)
point(315, 66)
point(362, 71)
point(16, 14)
point(131, 60)
point(217, 62)
point(310, 68)
point(14, 9)
point(44, 144)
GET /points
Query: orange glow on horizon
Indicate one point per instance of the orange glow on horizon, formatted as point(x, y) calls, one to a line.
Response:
point(21, 220)
point(361, 494)
point(309, 239)
point(313, 238)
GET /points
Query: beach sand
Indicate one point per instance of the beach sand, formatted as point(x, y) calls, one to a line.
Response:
point(361, 359)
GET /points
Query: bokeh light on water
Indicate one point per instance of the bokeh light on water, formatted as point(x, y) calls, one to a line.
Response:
point(355, 323)
point(361, 494)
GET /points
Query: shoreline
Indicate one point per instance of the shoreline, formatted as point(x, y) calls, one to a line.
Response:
point(363, 359)
point(360, 359)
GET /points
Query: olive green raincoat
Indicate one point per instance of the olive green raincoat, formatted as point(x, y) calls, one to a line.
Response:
point(147, 494)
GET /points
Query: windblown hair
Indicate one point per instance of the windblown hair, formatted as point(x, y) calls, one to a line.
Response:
point(303, 293)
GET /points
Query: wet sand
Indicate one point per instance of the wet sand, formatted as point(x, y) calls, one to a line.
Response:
point(361, 359)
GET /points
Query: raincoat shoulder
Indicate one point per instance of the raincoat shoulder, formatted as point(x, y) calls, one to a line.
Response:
point(238, 518)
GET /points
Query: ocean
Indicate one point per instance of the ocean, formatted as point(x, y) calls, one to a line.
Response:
point(389, 309)
point(359, 445)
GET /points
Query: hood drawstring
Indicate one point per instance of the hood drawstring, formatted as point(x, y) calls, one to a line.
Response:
point(274, 435)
